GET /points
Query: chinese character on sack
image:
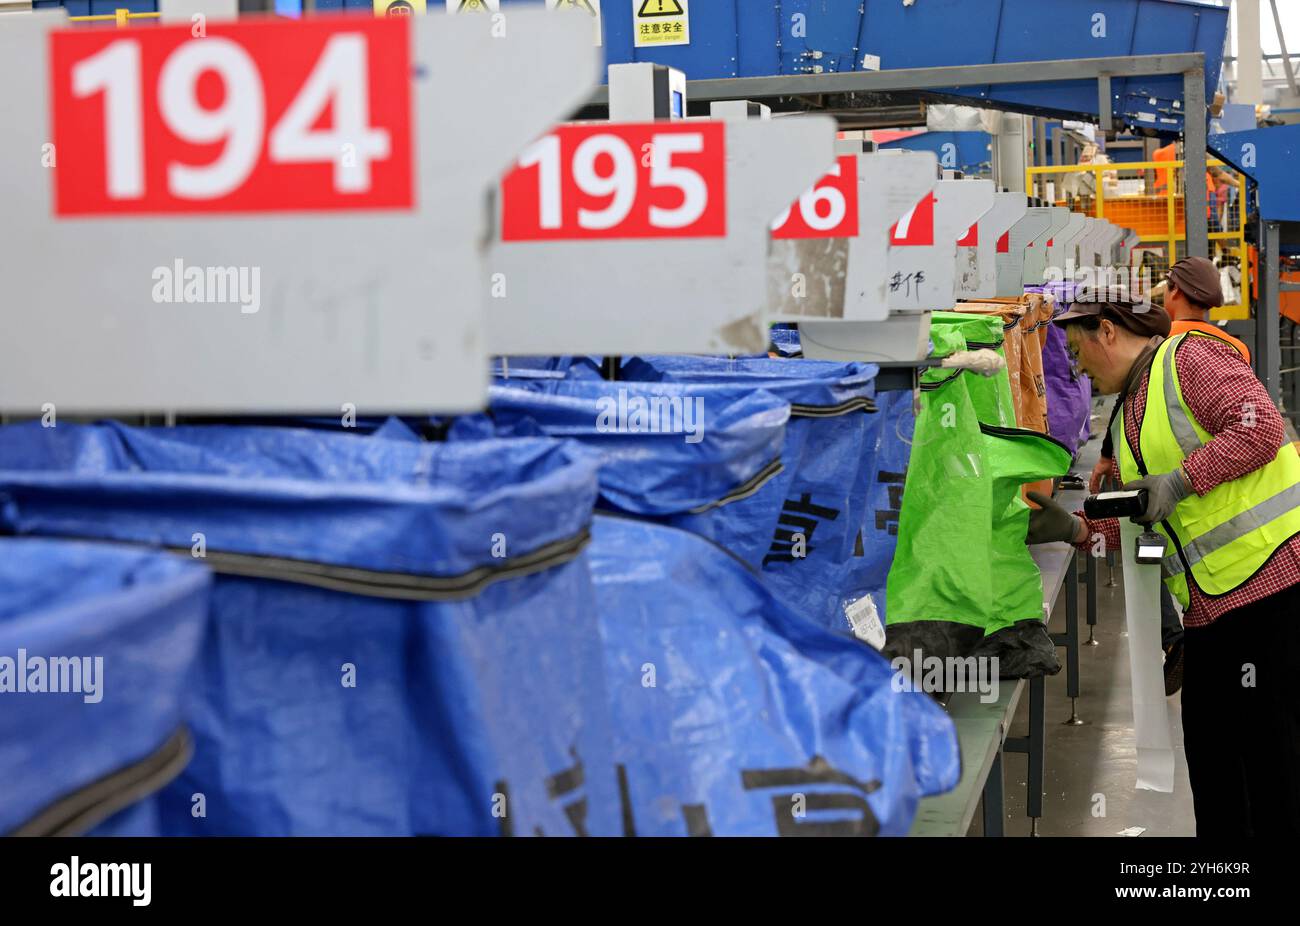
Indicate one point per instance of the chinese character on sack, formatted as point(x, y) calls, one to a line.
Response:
point(887, 518)
point(839, 799)
point(784, 539)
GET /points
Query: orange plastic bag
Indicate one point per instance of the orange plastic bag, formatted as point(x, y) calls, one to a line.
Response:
point(1025, 322)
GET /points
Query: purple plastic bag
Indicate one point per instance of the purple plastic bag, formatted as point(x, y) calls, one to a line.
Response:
point(1069, 393)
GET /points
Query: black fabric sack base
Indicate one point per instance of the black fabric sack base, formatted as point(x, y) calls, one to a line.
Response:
point(943, 639)
point(1023, 650)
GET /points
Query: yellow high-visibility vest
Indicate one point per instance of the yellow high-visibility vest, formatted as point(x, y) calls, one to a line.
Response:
point(1225, 536)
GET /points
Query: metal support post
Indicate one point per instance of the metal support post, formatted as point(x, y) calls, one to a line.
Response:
point(1091, 585)
point(1037, 750)
point(1195, 204)
point(1072, 638)
point(1267, 348)
point(994, 814)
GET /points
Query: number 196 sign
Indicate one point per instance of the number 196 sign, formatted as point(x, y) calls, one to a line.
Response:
point(252, 117)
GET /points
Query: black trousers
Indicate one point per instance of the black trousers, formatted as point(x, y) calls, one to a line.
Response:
point(1241, 719)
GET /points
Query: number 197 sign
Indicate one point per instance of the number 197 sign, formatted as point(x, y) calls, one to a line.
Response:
point(252, 117)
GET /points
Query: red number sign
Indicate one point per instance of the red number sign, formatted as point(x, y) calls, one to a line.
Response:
point(828, 210)
point(644, 180)
point(252, 117)
point(916, 229)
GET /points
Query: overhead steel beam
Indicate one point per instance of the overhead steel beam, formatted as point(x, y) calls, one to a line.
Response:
point(964, 75)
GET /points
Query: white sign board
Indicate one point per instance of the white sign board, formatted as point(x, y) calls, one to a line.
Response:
point(1036, 250)
point(977, 272)
point(922, 269)
point(373, 309)
point(1011, 262)
point(1063, 252)
point(1112, 238)
point(818, 277)
point(674, 293)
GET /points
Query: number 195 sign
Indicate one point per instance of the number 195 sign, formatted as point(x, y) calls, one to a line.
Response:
point(252, 117)
point(619, 180)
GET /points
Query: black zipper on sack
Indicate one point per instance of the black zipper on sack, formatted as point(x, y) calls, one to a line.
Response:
point(745, 489)
point(938, 383)
point(999, 431)
point(83, 809)
point(861, 403)
point(970, 345)
point(404, 586)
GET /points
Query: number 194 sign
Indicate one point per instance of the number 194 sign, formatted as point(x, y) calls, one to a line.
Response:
point(249, 118)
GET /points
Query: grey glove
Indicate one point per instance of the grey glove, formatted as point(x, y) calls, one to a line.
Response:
point(1164, 492)
point(1051, 522)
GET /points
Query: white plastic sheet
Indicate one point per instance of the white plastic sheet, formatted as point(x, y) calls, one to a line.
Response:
point(1155, 749)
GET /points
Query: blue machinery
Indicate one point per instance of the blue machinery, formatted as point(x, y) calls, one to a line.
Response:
point(1139, 63)
point(1268, 158)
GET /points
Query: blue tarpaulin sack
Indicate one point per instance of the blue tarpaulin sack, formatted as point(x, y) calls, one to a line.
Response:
point(403, 636)
point(817, 555)
point(97, 647)
point(727, 705)
point(579, 367)
point(668, 451)
point(893, 451)
point(743, 692)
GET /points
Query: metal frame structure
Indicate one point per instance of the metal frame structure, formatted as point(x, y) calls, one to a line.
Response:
point(1268, 346)
point(1173, 235)
point(836, 91)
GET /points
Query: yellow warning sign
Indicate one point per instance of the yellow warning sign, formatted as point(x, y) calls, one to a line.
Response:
point(590, 7)
point(661, 8)
point(661, 22)
point(473, 6)
point(398, 7)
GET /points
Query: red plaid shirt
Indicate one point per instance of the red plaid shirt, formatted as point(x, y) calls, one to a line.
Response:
point(1220, 389)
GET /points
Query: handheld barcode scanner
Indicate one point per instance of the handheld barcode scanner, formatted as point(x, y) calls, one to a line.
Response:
point(1128, 504)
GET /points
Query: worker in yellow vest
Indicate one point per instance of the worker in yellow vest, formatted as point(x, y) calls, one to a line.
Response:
point(1192, 288)
point(1200, 433)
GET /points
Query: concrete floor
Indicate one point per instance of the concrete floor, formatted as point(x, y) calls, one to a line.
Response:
point(1098, 759)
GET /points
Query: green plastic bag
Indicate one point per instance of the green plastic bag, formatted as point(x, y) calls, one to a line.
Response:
point(962, 582)
point(991, 395)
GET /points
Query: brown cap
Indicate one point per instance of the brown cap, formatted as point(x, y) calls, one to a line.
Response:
point(1141, 318)
point(1199, 280)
